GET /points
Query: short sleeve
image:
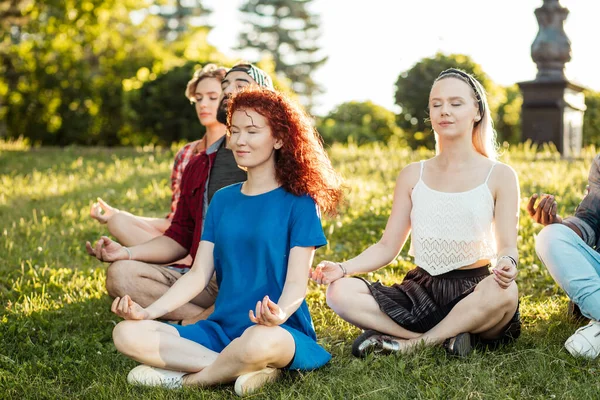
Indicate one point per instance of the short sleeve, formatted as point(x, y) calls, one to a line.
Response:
point(306, 229)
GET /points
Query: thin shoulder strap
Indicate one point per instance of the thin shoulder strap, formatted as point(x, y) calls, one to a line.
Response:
point(421, 174)
point(490, 173)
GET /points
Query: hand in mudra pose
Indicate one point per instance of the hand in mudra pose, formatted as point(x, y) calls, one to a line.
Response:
point(107, 250)
point(126, 308)
point(101, 211)
point(545, 212)
point(326, 272)
point(267, 313)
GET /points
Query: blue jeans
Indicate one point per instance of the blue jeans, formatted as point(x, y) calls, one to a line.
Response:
point(573, 264)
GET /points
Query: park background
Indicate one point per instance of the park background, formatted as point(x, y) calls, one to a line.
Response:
point(92, 104)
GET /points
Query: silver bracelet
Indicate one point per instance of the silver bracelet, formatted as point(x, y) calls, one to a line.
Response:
point(343, 269)
point(512, 260)
point(128, 251)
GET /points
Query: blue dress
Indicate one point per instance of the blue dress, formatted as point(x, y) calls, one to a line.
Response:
point(253, 236)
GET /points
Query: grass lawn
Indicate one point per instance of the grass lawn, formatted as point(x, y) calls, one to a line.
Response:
point(55, 319)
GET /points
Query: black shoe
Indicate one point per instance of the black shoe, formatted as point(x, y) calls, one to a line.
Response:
point(358, 347)
point(459, 345)
point(371, 341)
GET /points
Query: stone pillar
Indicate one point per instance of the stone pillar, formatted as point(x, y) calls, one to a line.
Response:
point(553, 107)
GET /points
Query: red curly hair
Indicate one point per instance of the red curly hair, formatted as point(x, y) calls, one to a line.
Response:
point(301, 164)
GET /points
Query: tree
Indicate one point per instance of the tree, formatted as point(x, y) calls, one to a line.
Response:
point(12, 19)
point(66, 76)
point(412, 93)
point(288, 31)
point(591, 118)
point(161, 112)
point(180, 16)
point(360, 122)
point(507, 121)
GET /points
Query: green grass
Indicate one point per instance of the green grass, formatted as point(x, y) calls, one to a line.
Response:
point(55, 321)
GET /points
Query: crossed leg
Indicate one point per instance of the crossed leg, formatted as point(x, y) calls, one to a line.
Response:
point(486, 312)
point(159, 345)
point(351, 299)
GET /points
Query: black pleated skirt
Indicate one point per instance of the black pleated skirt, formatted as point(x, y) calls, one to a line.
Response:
point(421, 301)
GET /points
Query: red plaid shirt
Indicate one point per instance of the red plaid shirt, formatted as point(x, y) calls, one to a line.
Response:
point(182, 159)
point(186, 227)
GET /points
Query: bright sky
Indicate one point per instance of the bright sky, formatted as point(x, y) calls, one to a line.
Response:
point(369, 43)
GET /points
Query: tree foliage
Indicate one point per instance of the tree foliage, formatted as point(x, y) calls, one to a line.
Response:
point(288, 31)
point(162, 113)
point(412, 95)
point(65, 69)
point(179, 17)
point(359, 122)
point(507, 118)
point(591, 118)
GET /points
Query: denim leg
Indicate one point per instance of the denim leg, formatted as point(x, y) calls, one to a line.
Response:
point(573, 264)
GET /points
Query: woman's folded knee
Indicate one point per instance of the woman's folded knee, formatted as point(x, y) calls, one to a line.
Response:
point(124, 336)
point(332, 295)
point(497, 297)
point(261, 343)
point(337, 293)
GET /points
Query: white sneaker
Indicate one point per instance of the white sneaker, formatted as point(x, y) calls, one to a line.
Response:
point(249, 383)
point(585, 342)
point(152, 376)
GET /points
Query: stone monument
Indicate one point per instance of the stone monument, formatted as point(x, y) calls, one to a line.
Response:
point(553, 106)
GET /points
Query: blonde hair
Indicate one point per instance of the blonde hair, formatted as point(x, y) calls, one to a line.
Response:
point(208, 71)
point(484, 135)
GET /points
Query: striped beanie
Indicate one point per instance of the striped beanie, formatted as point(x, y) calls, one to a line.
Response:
point(260, 76)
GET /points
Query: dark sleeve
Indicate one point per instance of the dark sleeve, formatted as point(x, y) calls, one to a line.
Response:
point(588, 211)
point(208, 232)
point(225, 172)
point(306, 229)
point(182, 225)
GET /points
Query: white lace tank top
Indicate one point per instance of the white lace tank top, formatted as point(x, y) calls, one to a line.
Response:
point(451, 230)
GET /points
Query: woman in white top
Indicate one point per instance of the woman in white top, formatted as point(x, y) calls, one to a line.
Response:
point(462, 206)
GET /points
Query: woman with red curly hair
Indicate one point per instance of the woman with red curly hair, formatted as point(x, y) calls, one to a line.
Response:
point(260, 237)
